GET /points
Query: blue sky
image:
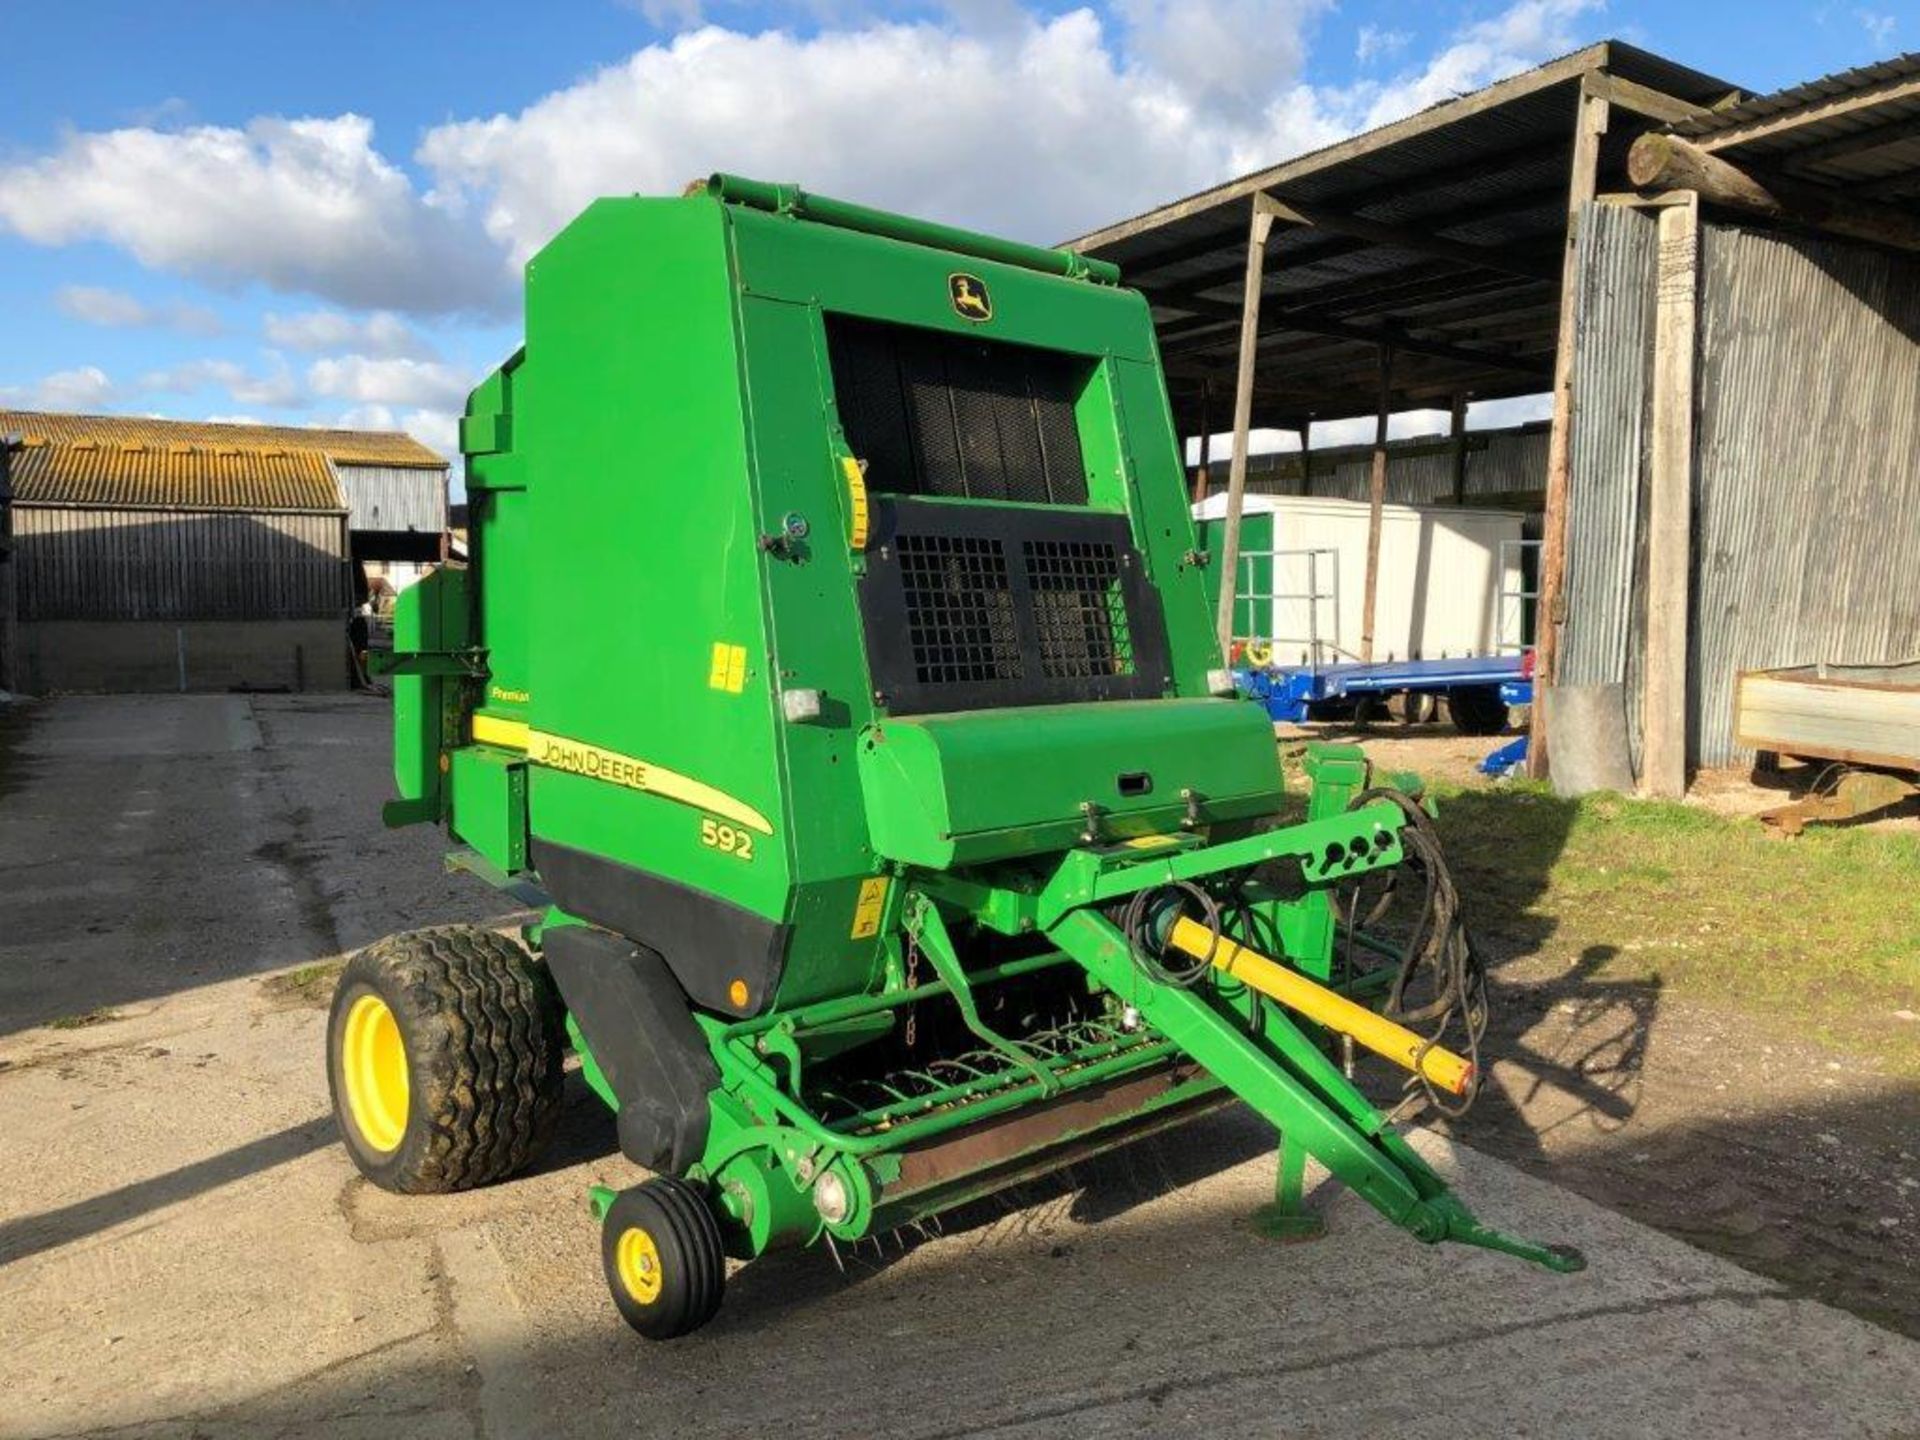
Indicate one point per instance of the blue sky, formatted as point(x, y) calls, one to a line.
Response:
point(312, 213)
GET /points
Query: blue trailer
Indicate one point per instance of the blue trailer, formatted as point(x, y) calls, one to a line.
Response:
point(1479, 690)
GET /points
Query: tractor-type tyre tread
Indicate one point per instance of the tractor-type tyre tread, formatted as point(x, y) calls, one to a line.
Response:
point(1477, 710)
point(483, 1031)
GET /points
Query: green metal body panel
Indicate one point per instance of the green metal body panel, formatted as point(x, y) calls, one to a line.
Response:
point(490, 796)
point(959, 789)
point(668, 548)
point(1250, 616)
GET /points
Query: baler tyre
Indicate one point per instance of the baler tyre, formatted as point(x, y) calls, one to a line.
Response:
point(1477, 709)
point(444, 1052)
point(665, 1264)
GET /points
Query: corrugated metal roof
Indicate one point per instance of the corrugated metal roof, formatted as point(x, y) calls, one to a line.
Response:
point(350, 447)
point(1857, 130)
point(173, 478)
point(1488, 170)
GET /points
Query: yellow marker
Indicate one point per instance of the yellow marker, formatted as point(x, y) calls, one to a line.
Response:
point(728, 671)
point(856, 502)
point(495, 730)
point(1379, 1034)
point(869, 907)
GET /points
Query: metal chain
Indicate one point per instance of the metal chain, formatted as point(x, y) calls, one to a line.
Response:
point(913, 981)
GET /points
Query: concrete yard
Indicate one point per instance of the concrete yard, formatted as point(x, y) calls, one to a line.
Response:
point(186, 1251)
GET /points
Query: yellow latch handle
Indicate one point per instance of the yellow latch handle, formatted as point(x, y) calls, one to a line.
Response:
point(856, 502)
point(1323, 1006)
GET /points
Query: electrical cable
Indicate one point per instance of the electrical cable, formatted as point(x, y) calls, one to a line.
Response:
point(1439, 988)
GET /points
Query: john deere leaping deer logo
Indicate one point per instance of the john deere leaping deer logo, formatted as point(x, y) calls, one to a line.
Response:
point(970, 298)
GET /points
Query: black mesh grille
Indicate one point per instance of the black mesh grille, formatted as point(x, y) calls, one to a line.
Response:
point(960, 618)
point(958, 418)
point(969, 606)
point(1078, 608)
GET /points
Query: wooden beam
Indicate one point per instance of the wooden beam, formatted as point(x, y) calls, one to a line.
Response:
point(1457, 436)
point(1590, 126)
point(1416, 242)
point(1642, 100)
point(1663, 749)
point(1203, 478)
point(1376, 502)
point(1259, 228)
point(1874, 137)
point(1666, 162)
point(1904, 87)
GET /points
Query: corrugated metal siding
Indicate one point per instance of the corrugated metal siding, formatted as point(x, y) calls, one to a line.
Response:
point(1604, 638)
point(104, 564)
point(1807, 519)
point(1508, 461)
point(388, 497)
point(173, 478)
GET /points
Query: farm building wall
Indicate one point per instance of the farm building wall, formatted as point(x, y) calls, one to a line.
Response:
point(1806, 499)
point(1501, 465)
point(117, 598)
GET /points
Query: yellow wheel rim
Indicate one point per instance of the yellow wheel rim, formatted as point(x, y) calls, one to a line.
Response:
point(636, 1259)
point(373, 1063)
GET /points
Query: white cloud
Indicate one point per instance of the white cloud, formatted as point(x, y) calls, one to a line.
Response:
point(1033, 125)
point(277, 387)
point(436, 429)
point(117, 310)
point(379, 333)
point(306, 206)
point(1880, 29)
point(394, 381)
point(86, 387)
point(1374, 43)
point(1035, 128)
point(1519, 36)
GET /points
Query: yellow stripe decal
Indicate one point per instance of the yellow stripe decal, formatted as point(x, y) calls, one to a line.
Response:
point(495, 730)
point(577, 758)
point(856, 502)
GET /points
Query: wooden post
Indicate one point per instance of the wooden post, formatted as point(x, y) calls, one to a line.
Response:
point(1457, 432)
point(1590, 124)
point(1663, 750)
point(1376, 499)
point(1258, 229)
point(1202, 479)
point(1306, 456)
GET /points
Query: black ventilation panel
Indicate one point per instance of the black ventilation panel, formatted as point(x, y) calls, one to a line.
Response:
point(958, 418)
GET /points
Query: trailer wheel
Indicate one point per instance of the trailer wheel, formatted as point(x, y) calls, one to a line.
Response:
point(1477, 709)
point(444, 1049)
point(660, 1247)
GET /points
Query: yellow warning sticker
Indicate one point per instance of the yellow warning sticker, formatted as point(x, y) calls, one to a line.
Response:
point(728, 671)
point(868, 909)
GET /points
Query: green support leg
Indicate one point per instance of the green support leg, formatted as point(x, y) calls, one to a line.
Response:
point(1287, 1218)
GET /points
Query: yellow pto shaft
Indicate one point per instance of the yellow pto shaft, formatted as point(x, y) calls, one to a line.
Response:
point(1445, 1069)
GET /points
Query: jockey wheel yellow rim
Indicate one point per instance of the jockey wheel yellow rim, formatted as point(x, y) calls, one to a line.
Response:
point(373, 1064)
point(636, 1259)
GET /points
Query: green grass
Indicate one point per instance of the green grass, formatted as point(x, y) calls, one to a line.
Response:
point(1819, 935)
point(305, 984)
point(100, 1016)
